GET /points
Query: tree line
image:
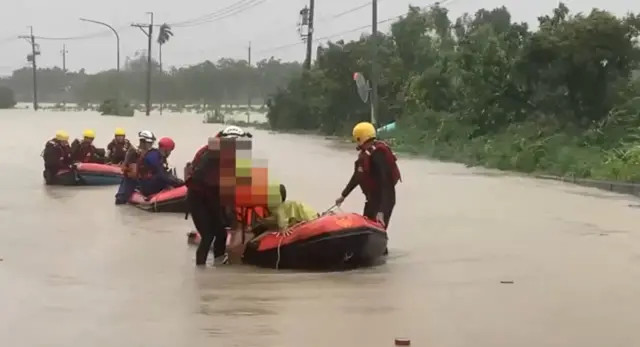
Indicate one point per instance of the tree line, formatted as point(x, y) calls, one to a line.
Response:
point(227, 81)
point(485, 90)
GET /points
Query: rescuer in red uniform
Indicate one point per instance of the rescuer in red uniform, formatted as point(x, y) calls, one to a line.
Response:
point(376, 172)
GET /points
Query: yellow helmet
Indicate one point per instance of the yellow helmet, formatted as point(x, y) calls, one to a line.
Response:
point(119, 132)
point(62, 135)
point(363, 132)
point(89, 134)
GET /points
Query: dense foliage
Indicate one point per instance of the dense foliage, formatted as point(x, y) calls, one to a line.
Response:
point(7, 98)
point(487, 91)
point(227, 81)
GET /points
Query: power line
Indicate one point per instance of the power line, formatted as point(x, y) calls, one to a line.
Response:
point(344, 13)
point(277, 48)
point(81, 37)
point(226, 12)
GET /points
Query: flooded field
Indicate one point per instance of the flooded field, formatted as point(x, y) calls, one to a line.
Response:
point(477, 260)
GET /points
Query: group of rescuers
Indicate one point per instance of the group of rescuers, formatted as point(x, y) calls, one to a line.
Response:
point(145, 168)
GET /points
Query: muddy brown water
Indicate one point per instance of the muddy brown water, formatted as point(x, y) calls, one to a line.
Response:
point(476, 260)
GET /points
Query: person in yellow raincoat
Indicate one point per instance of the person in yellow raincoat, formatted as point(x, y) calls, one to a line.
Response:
point(285, 214)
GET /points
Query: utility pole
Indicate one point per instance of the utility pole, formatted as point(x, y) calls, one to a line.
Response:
point(34, 66)
point(149, 33)
point(64, 57)
point(307, 62)
point(249, 86)
point(374, 62)
point(306, 20)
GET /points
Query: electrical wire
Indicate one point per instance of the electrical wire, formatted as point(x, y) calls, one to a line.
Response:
point(102, 33)
point(277, 48)
point(226, 12)
point(343, 13)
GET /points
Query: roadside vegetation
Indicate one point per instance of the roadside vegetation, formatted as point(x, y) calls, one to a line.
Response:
point(483, 90)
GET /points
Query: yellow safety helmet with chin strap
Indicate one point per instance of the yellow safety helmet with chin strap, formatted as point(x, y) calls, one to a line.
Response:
point(62, 135)
point(363, 132)
point(119, 132)
point(89, 134)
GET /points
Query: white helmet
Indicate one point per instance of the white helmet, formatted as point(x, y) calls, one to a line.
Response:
point(232, 131)
point(146, 136)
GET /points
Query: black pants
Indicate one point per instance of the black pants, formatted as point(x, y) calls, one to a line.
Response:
point(206, 214)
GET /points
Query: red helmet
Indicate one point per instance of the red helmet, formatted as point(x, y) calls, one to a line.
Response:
point(166, 143)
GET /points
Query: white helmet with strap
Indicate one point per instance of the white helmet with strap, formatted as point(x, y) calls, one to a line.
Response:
point(233, 131)
point(146, 136)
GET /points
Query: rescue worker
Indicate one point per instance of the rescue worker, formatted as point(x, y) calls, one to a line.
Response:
point(152, 174)
point(204, 199)
point(57, 156)
point(129, 182)
point(376, 172)
point(84, 151)
point(285, 214)
point(118, 147)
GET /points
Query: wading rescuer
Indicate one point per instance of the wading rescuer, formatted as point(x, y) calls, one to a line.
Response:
point(129, 183)
point(57, 156)
point(152, 174)
point(84, 151)
point(376, 172)
point(118, 147)
point(204, 199)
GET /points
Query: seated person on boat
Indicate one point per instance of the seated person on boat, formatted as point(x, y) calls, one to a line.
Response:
point(286, 213)
point(152, 174)
point(83, 151)
point(118, 147)
point(57, 156)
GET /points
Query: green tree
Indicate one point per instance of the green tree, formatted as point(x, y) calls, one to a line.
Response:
point(7, 98)
point(486, 90)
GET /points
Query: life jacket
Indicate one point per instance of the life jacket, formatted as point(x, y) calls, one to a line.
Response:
point(118, 150)
point(144, 172)
point(196, 175)
point(84, 152)
point(130, 165)
point(61, 152)
point(363, 166)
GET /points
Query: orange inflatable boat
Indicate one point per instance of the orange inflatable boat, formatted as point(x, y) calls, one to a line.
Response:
point(169, 200)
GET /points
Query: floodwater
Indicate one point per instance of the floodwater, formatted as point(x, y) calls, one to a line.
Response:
point(477, 259)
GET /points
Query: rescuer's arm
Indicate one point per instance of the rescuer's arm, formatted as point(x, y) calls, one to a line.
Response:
point(75, 147)
point(381, 172)
point(353, 183)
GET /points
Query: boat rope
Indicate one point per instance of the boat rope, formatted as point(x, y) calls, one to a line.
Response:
point(278, 250)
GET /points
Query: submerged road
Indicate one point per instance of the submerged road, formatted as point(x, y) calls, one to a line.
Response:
point(477, 259)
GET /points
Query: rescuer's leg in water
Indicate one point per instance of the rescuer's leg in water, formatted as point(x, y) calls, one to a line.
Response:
point(209, 225)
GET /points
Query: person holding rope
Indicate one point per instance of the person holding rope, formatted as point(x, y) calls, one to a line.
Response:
point(376, 172)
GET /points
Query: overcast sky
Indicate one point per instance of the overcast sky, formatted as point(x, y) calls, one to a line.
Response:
point(268, 24)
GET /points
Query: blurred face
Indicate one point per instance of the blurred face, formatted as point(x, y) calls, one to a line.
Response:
point(88, 140)
point(119, 138)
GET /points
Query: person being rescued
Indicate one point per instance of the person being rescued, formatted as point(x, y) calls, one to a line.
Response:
point(152, 174)
point(83, 151)
point(57, 157)
point(118, 147)
point(129, 183)
point(284, 215)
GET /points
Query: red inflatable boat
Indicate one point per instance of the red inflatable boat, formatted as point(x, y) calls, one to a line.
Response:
point(332, 242)
point(169, 200)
